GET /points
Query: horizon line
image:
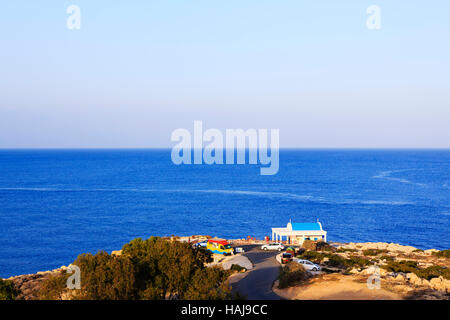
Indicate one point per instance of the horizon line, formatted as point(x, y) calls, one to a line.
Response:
point(169, 148)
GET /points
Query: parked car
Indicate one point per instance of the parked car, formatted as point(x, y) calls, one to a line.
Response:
point(308, 265)
point(219, 246)
point(286, 257)
point(272, 246)
point(239, 250)
point(200, 244)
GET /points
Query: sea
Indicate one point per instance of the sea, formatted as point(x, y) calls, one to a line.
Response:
point(57, 204)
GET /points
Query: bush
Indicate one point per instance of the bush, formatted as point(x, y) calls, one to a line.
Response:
point(374, 252)
point(336, 261)
point(313, 256)
point(357, 261)
point(442, 254)
point(342, 250)
point(293, 273)
point(106, 277)
point(208, 284)
point(238, 268)
point(401, 266)
point(54, 287)
point(340, 262)
point(7, 290)
point(324, 246)
point(433, 272)
point(103, 277)
point(412, 267)
point(387, 258)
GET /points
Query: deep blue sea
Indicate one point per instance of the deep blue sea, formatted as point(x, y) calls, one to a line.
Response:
point(56, 204)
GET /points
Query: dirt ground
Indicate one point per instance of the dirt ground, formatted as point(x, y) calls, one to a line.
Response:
point(336, 287)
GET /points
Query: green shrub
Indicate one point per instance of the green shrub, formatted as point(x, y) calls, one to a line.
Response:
point(357, 262)
point(336, 261)
point(412, 267)
point(418, 250)
point(7, 290)
point(313, 256)
point(401, 266)
point(352, 262)
point(346, 250)
point(374, 252)
point(324, 246)
point(54, 287)
point(293, 273)
point(442, 254)
point(238, 268)
point(208, 284)
point(387, 258)
point(433, 272)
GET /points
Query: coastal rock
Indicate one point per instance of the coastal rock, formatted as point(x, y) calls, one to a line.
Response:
point(116, 253)
point(440, 284)
point(374, 270)
point(400, 277)
point(414, 279)
point(243, 261)
point(354, 271)
point(393, 247)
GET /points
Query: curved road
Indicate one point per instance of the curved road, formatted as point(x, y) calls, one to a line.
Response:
point(257, 284)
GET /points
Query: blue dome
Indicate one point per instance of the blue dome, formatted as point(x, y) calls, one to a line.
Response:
point(306, 226)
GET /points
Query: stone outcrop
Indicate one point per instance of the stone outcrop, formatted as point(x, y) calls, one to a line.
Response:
point(380, 246)
point(241, 260)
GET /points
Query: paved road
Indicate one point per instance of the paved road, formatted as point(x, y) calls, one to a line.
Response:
point(257, 285)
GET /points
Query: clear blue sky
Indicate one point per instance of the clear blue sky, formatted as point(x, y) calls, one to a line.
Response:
point(137, 70)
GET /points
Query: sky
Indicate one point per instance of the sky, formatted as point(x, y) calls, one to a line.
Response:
point(137, 70)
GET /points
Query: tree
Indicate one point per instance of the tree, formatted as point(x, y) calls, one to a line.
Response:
point(209, 284)
point(164, 268)
point(106, 277)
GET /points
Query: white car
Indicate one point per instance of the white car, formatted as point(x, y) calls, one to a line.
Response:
point(200, 244)
point(308, 265)
point(272, 246)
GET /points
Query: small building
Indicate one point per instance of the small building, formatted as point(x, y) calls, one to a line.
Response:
point(296, 233)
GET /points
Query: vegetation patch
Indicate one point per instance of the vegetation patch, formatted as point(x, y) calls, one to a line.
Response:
point(374, 252)
point(324, 246)
point(352, 262)
point(433, 272)
point(412, 267)
point(335, 260)
point(342, 250)
point(7, 290)
point(147, 269)
point(387, 258)
point(442, 254)
point(313, 256)
point(237, 268)
point(292, 274)
point(405, 266)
